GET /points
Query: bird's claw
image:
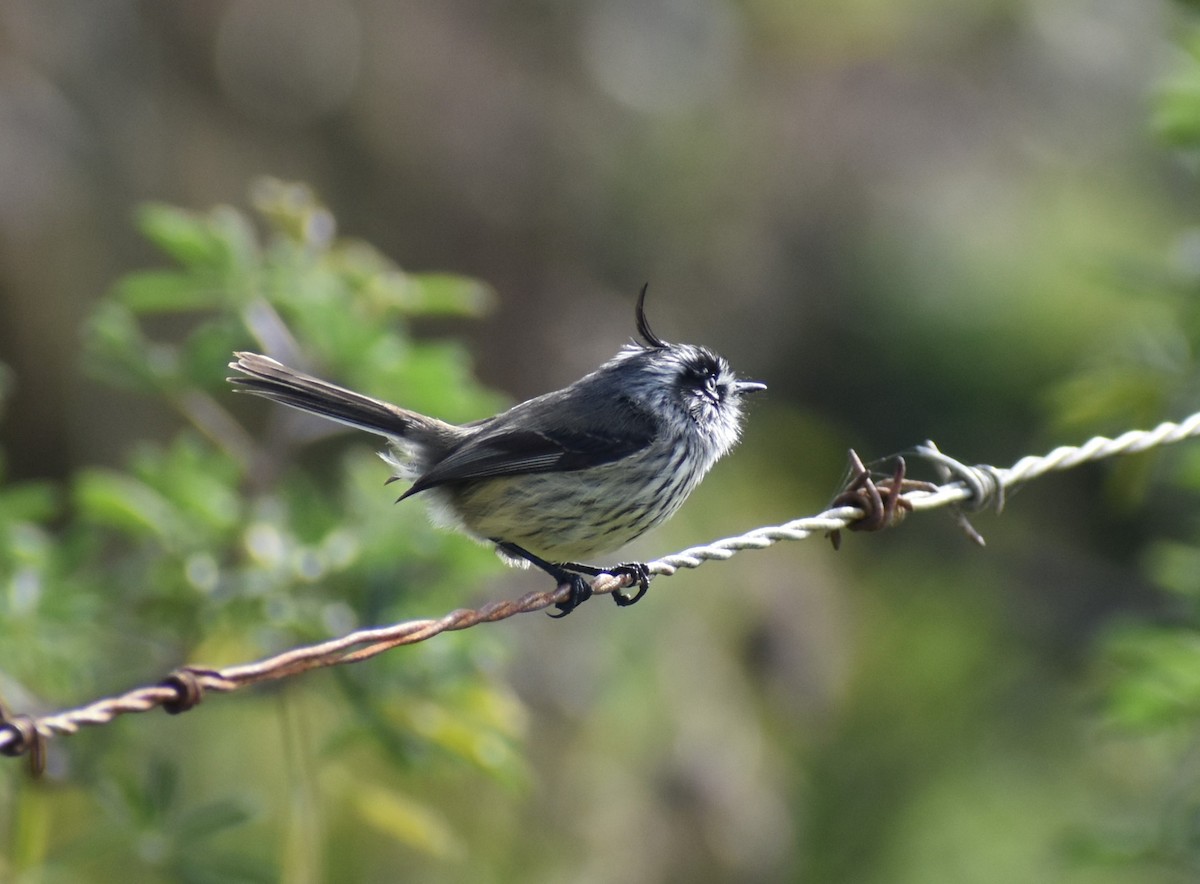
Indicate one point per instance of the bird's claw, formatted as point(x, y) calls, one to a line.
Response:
point(581, 588)
point(581, 591)
point(641, 575)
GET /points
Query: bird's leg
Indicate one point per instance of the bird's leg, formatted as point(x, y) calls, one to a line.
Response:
point(637, 570)
point(581, 590)
point(568, 573)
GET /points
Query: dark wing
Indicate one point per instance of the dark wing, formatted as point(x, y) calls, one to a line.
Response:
point(509, 452)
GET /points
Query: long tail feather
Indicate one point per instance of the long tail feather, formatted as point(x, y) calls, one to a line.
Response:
point(274, 380)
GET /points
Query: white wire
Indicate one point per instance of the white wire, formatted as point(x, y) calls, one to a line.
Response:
point(996, 480)
point(974, 488)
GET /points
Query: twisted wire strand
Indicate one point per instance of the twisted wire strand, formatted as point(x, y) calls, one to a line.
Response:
point(974, 488)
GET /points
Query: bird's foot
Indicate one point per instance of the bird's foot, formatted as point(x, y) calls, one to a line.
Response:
point(581, 591)
point(641, 575)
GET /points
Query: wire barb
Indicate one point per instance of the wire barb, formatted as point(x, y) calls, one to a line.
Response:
point(882, 503)
point(188, 689)
point(27, 738)
point(984, 483)
point(963, 488)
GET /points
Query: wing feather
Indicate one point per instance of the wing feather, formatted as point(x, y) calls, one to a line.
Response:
point(502, 451)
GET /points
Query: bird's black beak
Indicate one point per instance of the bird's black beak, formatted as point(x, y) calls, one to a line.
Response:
point(743, 387)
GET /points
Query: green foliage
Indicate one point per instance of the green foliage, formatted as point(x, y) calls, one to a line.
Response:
point(879, 725)
point(1177, 114)
point(215, 547)
point(1157, 682)
point(1143, 371)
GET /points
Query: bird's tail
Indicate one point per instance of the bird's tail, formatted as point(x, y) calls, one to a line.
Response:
point(274, 380)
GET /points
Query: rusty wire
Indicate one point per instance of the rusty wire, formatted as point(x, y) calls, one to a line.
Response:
point(972, 488)
point(186, 687)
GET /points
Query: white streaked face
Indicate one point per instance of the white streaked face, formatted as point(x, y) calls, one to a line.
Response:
point(693, 385)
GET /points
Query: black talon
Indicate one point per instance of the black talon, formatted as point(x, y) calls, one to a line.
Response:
point(637, 570)
point(640, 572)
point(581, 591)
point(570, 574)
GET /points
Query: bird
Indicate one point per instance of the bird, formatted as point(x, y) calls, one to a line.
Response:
point(559, 478)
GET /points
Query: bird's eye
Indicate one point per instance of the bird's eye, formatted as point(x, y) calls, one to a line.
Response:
point(702, 378)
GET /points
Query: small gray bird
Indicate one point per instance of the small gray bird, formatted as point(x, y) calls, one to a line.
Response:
point(563, 476)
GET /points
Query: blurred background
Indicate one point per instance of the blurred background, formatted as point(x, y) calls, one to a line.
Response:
point(966, 221)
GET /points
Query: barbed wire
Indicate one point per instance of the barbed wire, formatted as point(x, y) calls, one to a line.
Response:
point(965, 488)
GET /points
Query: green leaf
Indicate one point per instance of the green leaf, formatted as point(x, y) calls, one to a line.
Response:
point(1177, 115)
point(184, 235)
point(197, 482)
point(108, 497)
point(1158, 681)
point(204, 355)
point(117, 350)
point(452, 294)
point(165, 291)
point(224, 241)
point(406, 820)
